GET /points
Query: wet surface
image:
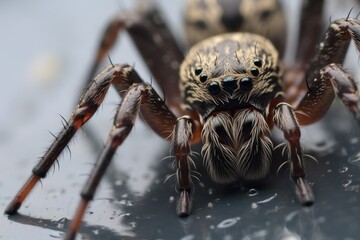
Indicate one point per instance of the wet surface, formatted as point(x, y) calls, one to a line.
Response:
point(133, 201)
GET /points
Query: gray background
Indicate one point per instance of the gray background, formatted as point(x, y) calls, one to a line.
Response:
point(46, 48)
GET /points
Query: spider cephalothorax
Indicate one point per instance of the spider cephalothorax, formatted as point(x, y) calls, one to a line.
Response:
point(230, 80)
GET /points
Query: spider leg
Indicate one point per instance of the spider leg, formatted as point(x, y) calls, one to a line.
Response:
point(285, 119)
point(155, 43)
point(309, 32)
point(344, 86)
point(87, 106)
point(182, 137)
point(123, 123)
point(332, 49)
point(162, 120)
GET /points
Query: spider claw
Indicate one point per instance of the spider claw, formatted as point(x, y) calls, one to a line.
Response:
point(304, 192)
point(184, 204)
point(13, 207)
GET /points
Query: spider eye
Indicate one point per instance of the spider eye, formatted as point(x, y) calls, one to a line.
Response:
point(254, 72)
point(214, 88)
point(229, 84)
point(203, 78)
point(246, 83)
point(198, 70)
point(257, 62)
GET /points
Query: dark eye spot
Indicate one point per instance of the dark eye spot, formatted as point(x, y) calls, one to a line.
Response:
point(229, 84)
point(203, 78)
point(198, 70)
point(257, 62)
point(246, 83)
point(254, 72)
point(214, 88)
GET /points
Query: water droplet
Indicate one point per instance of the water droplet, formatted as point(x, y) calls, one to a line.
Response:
point(118, 183)
point(347, 182)
point(321, 219)
point(228, 222)
point(254, 205)
point(210, 205)
point(171, 199)
point(56, 234)
point(354, 140)
point(96, 231)
point(261, 234)
point(253, 192)
point(291, 216)
point(210, 191)
point(228, 237)
point(124, 214)
point(208, 216)
point(61, 222)
point(60, 226)
point(344, 152)
point(343, 169)
point(268, 199)
point(188, 237)
point(355, 159)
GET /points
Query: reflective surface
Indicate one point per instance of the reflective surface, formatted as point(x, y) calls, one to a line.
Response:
point(46, 49)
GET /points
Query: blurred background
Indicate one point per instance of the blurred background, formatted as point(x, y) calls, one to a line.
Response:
point(46, 50)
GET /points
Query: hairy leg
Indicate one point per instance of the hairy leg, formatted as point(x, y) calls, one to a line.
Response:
point(154, 108)
point(332, 49)
point(285, 119)
point(158, 47)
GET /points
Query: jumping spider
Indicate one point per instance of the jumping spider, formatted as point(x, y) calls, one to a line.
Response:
point(233, 90)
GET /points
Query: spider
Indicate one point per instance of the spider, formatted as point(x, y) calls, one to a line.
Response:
point(233, 90)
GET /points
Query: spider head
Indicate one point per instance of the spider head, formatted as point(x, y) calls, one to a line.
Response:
point(230, 72)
